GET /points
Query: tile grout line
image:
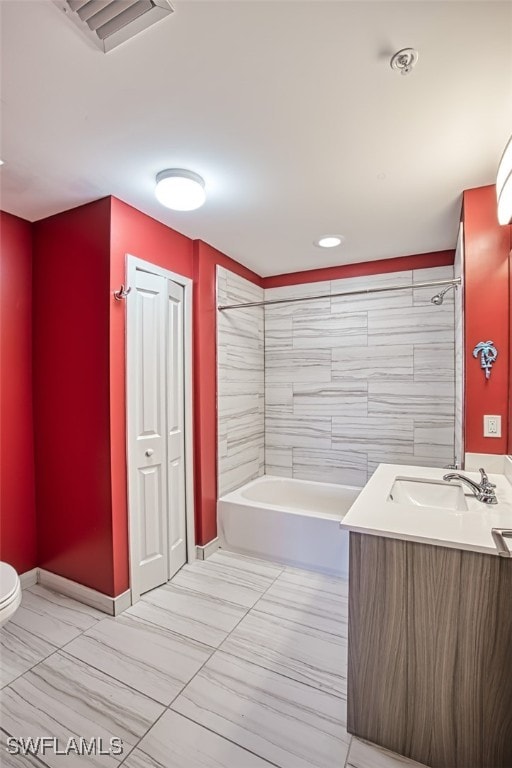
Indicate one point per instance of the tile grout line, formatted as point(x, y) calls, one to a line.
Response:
point(56, 648)
point(182, 690)
point(283, 569)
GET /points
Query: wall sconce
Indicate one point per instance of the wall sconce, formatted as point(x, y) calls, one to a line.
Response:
point(504, 186)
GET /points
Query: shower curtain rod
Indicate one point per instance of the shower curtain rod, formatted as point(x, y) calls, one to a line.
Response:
point(431, 284)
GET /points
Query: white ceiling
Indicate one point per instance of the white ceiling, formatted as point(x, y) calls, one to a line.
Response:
point(289, 110)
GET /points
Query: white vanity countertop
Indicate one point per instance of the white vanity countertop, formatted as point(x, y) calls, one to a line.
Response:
point(373, 513)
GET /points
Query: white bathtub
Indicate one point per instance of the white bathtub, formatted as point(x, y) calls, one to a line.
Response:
point(296, 522)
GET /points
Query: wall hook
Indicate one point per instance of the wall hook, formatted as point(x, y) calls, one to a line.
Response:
point(122, 293)
point(488, 354)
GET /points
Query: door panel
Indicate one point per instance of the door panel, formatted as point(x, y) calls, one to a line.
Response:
point(175, 430)
point(147, 442)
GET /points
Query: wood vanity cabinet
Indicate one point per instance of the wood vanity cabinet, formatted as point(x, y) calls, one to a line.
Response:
point(430, 652)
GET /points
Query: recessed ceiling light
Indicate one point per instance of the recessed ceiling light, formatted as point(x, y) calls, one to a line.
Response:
point(1, 162)
point(180, 190)
point(329, 241)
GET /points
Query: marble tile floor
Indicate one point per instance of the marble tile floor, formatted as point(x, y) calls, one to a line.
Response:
point(235, 663)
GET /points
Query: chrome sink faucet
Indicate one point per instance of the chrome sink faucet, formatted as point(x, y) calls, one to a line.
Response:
point(483, 491)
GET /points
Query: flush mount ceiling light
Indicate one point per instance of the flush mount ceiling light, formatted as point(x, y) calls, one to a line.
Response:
point(504, 186)
point(180, 190)
point(404, 61)
point(329, 241)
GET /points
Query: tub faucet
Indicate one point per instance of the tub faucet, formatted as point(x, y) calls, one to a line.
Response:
point(483, 491)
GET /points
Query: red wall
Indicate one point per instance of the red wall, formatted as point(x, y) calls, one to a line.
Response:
point(18, 543)
point(418, 261)
point(134, 233)
point(487, 308)
point(206, 260)
point(71, 395)
point(79, 377)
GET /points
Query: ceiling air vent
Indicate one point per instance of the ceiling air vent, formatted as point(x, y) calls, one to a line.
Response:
point(108, 23)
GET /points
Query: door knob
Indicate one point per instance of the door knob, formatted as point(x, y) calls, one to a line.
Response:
point(149, 452)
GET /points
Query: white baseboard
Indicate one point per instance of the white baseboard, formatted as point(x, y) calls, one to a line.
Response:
point(122, 602)
point(111, 605)
point(29, 578)
point(204, 552)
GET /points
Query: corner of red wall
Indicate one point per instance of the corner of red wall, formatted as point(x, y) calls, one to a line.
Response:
point(487, 317)
point(18, 540)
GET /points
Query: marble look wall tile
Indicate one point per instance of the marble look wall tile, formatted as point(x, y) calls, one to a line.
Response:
point(313, 657)
point(433, 400)
point(279, 457)
point(330, 466)
point(54, 617)
point(299, 432)
point(240, 383)
point(245, 452)
point(278, 331)
point(290, 724)
point(434, 362)
point(340, 399)
point(63, 697)
point(20, 651)
point(231, 406)
point(242, 365)
point(241, 290)
point(143, 655)
point(237, 470)
point(238, 328)
point(375, 301)
point(422, 296)
point(279, 461)
point(434, 439)
point(405, 360)
point(337, 330)
point(375, 458)
point(374, 432)
point(384, 279)
point(317, 307)
point(277, 471)
point(432, 273)
point(386, 361)
point(177, 742)
point(298, 365)
point(278, 398)
point(418, 325)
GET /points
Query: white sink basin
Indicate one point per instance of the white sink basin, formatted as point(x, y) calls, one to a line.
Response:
point(428, 493)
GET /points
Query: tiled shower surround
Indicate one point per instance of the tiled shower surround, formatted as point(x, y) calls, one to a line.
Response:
point(240, 383)
point(350, 382)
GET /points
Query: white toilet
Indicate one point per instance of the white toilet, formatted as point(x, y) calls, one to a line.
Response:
point(10, 592)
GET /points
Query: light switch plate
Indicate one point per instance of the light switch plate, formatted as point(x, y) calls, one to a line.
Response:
point(492, 426)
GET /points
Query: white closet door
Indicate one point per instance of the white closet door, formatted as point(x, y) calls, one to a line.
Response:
point(175, 430)
point(147, 437)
